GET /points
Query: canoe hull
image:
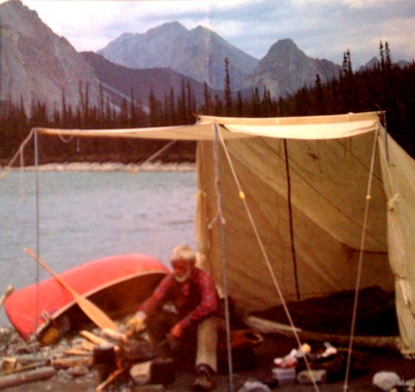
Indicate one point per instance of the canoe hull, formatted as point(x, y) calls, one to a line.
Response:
point(116, 284)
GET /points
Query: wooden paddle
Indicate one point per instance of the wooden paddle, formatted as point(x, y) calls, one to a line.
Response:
point(5, 295)
point(88, 307)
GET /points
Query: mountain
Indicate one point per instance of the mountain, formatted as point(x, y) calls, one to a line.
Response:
point(375, 63)
point(285, 69)
point(120, 82)
point(37, 65)
point(198, 53)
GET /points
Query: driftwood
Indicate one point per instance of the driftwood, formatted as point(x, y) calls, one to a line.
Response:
point(115, 335)
point(109, 380)
point(8, 363)
point(94, 338)
point(30, 359)
point(87, 346)
point(27, 377)
point(22, 363)
point(77, 351)
point(63, 363)
point(3, 298)
point(270, 327)
point(21, 369)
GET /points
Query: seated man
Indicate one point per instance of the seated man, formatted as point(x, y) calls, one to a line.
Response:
point(192, 294)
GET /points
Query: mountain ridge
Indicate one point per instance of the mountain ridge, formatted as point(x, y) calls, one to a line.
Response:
point(39, 66)
point(283, 70)
point(275, 69)
point(139, 83)
point(197, 53)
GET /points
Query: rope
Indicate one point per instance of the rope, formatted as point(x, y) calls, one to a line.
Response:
point(360, 262)
point(155, 155)
point(19, 154)
point(67, 140)
point(242, 196)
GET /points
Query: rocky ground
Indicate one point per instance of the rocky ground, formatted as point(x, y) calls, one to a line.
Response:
point(251, 372)
point(70, 364)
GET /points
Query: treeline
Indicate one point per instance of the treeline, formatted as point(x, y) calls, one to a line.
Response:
point(386, 86)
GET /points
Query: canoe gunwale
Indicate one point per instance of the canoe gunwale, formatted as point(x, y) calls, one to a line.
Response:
point(50, 320)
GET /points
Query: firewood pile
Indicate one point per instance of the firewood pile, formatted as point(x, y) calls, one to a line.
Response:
point(108, 355)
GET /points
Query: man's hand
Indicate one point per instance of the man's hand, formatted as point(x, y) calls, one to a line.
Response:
point(136, 324)
point(176, 332)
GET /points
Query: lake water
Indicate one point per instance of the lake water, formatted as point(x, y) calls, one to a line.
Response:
point(88, 215)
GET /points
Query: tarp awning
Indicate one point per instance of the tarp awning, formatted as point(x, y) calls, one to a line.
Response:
point(312, 127)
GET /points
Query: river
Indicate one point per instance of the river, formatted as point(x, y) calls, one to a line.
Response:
point(70, 217)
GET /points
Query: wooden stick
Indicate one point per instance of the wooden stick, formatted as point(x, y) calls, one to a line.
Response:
point(13, 380)
point(88, 307)
point(109, 380)
point(118, 336)
point(94, 338)
point(24, 368)
point(8, 291)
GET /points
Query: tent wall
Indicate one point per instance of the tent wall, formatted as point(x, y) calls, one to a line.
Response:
point(308, 176)
point(328, 181)
point(398, 175)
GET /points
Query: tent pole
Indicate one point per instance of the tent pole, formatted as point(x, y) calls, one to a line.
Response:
point(222, 254)
point(37, 206)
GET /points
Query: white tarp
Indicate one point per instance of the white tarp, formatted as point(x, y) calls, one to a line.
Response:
point(307, 182)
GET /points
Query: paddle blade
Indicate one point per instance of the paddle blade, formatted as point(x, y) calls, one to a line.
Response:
point(97, 316)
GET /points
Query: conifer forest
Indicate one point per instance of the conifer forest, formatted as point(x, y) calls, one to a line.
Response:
point(387, 87)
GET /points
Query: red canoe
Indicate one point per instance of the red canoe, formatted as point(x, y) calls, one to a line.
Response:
point(116, 284)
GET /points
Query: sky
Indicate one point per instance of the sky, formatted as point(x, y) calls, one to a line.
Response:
point(322, 29)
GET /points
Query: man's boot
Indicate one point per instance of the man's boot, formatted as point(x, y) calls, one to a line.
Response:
point(203, 380)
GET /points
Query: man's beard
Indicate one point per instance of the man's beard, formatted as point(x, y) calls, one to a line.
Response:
point(182, 278)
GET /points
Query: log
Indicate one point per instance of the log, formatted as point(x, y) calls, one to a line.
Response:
point(87, 346)
point(27, 377)
point(77, 351)
point(270, 327)
point(8, 363)
point(64, 363)
point(94, 338)
point(20, 369)
point(29, 359)
point(118, 336)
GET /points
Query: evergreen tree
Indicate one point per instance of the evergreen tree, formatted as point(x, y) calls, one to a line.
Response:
point(228, 91)
point(182, 105)
point(208, 99)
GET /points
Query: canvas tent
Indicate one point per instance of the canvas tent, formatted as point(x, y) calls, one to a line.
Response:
point(300, 207)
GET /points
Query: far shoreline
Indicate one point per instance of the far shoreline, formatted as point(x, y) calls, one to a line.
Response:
point(107, 167)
